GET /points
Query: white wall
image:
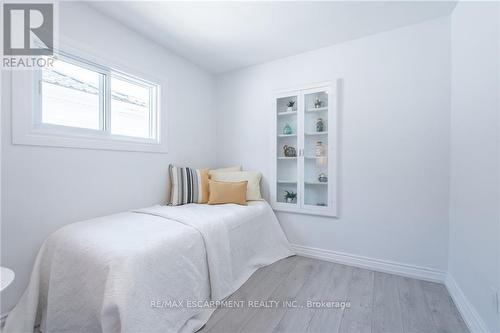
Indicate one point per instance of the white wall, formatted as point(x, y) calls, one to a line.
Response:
point(44, 188)
point(474, 196)
point(394, 135)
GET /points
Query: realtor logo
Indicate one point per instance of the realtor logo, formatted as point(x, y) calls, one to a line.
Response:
point(28, 29)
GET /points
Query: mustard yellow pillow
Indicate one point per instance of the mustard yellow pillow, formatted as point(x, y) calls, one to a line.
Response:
point(227, 192)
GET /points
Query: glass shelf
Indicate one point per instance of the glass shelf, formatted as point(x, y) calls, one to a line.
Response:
point(316, 133)
point(287, 113)
point(317, 109)
point(315, 157)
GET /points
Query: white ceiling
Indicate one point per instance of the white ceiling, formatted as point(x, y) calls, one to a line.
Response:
point(223, 36)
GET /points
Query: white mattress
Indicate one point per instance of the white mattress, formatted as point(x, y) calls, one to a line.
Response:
point(136, 271)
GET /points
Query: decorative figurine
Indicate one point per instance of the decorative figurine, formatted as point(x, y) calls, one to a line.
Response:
point(287, 129)
point(320, 126)
point(318, 103)
point(320, 149)
point(290, 196)
point(290, 106)
point(289, 151)
point(322, 178)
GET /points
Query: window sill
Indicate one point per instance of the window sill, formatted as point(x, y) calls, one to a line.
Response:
point(37, 137)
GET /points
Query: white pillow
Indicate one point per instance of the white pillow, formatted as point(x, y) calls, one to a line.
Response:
point(229, 169)
point(252, 177)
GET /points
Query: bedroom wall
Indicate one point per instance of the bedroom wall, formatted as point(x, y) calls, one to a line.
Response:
point(475, 149)
point(44, 188)
point(394, 134)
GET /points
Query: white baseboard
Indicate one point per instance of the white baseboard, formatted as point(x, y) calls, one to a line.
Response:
point(467, 310)
point(386, 266)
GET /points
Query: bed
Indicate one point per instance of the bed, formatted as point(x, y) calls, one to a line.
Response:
point(150, 270)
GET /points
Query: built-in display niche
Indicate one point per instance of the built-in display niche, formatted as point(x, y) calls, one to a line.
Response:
point(305, 151)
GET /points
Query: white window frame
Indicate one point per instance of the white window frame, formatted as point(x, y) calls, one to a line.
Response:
point(28, 128)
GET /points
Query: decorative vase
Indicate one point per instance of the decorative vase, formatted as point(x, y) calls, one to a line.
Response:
point(289, 151)
point(289, 109)
point(322, 178)
point(320, 126)
point(287, 129)
point(318, 103)
point(289, 200)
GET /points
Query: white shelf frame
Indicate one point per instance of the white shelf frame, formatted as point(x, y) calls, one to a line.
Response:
point(332, 158)
point(287, 113)
point(316, 133)
point(317, 109)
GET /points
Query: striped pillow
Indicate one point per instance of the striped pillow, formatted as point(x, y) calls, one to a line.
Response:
point(187, 185)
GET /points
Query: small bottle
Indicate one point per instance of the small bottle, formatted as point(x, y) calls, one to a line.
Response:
point(320, 149)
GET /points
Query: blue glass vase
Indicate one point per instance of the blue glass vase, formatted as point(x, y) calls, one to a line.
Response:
point(287, 129)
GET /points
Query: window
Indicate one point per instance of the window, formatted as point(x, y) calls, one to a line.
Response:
point(131, 105)
point(91, 102)
point(83, 98)
point(71, 96)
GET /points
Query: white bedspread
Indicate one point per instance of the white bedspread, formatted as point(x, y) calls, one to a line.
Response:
point(129, 272)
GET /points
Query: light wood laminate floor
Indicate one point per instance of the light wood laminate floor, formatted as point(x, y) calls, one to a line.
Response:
point(378, 302)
